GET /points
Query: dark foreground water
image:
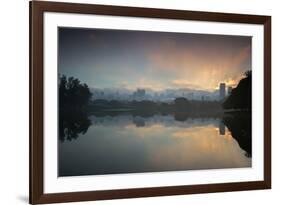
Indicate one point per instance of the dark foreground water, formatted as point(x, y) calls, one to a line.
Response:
point(133, 144)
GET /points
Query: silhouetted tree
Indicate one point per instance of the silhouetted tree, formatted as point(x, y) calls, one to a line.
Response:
point(72, 92)
point(241, 96)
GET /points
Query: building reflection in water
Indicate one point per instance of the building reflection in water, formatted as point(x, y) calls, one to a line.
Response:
point(222, 128)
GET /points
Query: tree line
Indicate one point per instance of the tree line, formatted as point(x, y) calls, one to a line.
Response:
point(241, 96)
point(73, 93)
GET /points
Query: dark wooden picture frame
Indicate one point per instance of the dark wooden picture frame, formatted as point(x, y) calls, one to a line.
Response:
point(37, 8)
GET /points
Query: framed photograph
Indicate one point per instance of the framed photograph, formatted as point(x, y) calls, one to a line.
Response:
point(139, 102)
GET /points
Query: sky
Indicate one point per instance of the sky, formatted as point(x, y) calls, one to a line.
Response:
point(158, 61)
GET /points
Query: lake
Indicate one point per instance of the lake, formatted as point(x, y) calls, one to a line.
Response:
point(125, 143)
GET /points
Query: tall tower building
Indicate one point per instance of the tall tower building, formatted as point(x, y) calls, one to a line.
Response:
point(229, 90)
point(222, 91)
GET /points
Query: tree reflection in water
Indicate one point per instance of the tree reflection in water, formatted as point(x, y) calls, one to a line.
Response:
point(240, 126)
point(72, 122)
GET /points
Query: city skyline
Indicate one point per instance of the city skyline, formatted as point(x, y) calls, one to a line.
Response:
point(153, 60)
point(160, 96)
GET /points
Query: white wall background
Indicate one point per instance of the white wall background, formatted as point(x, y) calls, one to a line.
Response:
point(14, 101)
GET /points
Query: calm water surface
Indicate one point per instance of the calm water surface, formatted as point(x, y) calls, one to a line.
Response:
point(131, 144)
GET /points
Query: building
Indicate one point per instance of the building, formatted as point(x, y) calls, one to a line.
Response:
point(222, 128)
point(229, 90)
point(222, 91)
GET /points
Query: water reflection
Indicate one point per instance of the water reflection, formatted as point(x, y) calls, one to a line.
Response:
point(240, 127)
point(72, 122)
point(125, 143)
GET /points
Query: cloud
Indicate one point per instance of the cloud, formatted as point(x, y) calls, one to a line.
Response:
point(182, 83)
point(200, 67)
point(143, 83)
